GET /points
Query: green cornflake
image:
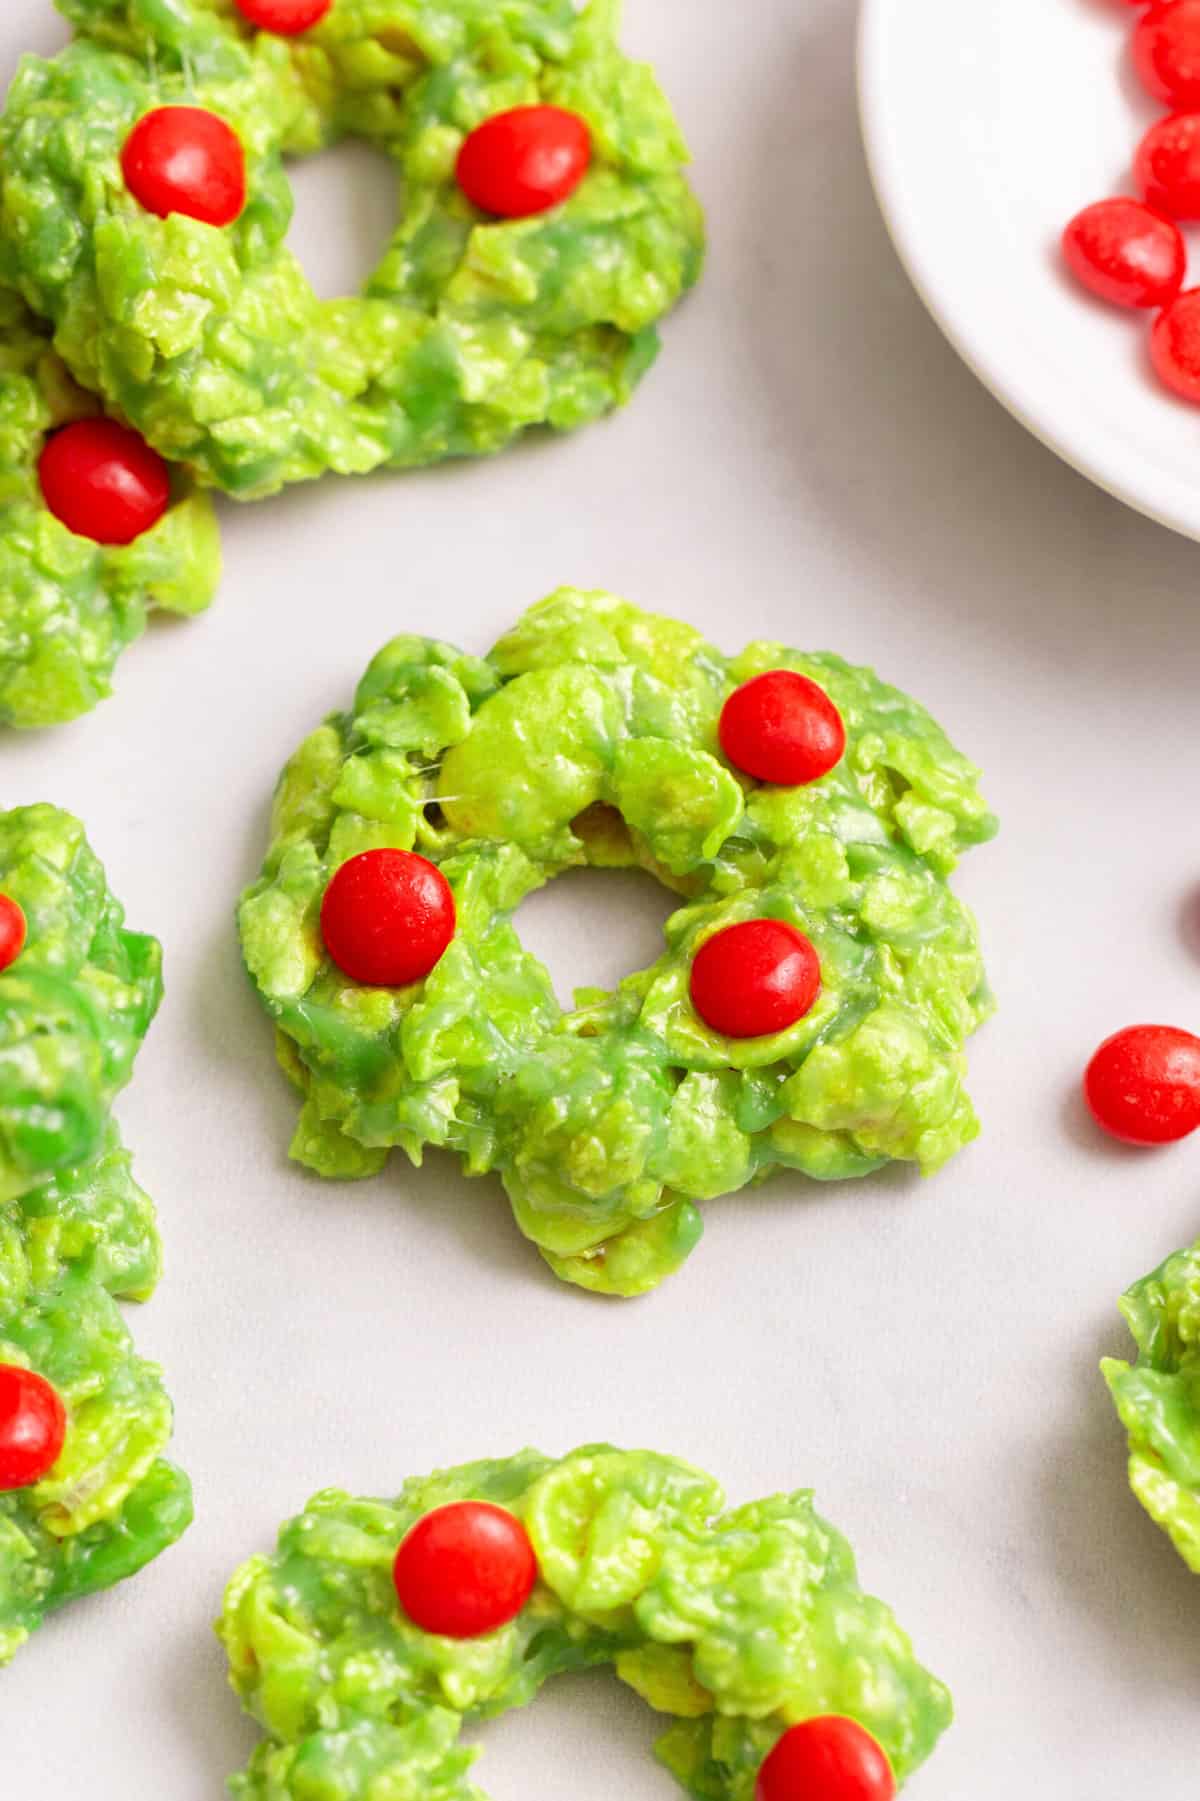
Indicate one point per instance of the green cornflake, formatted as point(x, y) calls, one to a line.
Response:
point(469, 331)
point(739, 1624)
point(590, 736)
point(69, 606)
point(76, 1231)
point(1158, 1398)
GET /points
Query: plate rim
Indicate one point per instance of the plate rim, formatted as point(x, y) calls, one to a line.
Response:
point(872, 25)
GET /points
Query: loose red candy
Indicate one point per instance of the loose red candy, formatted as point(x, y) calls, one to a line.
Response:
point(1166, 52)
point(286, 17)
point(1175, 345)
point(782, 727)
point(184, 159)
point(465, 1570)
point(1143, 1084)
point(103, 481)
point(1123, 252)
point(387, 917)
point(524, 161)
point(33, 1426)
point(826, 1759)
point(757, 977)
point(12, 931)
point(1167, 166)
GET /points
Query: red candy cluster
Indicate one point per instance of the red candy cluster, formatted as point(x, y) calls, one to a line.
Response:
point(1130, 251)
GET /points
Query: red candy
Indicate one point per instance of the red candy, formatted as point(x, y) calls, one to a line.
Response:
point(286, 17)
point(103, 481)
point(1143, 1084)
point(524, 161)
point(387, 917)
point(465, 1570)
point(1123, 252)
point(12, 932)
point(1167, 166)
point(1166, 52)
point(826, 1759)
point(1175, 345)
point(782, 728)
point(183, 159)
point(33, 1426)
point(754, 978)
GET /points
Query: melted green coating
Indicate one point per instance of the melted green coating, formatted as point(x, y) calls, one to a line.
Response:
point(76, 1231)
point(75, 1005)
point(739, 1624)
point(589, 736)
point(68, 606)
point(469, 331)
point(1158, 1398)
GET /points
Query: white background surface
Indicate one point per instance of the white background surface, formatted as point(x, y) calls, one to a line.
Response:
point(809, 460)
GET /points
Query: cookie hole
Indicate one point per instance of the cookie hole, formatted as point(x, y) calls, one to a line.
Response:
point(347, 206)
point(586, 1735)
point(590, 927)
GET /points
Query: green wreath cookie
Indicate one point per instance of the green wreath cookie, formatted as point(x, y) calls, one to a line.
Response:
point(1158, 1398)
point(379, 1627)
point(86, 1497)
point(70, 604)
point(819, 977)
point(533, 302)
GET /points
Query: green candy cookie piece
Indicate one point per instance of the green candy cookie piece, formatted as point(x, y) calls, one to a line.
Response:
point(471, 329)
point(1158, 1398)
point(590, 736)
point(75, 1005)
point(68, 606)
point(739, 1624)
point(76, 1231)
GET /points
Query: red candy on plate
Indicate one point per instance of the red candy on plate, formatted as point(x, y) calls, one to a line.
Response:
point(1125, 253)
point(524, 161)
point(757, 977)
point(184, 159)
point(781, 727)
point(465, 1570)
point(1175, 345)
point(12, 932)
point(33, 1427)
point(387, 917)
point(1166, 52)
point(103, 481)
point(1167, 166)
point(1143, 1084)
point(286, 17)
point(828, 1758)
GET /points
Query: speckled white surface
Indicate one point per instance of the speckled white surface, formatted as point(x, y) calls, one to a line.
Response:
point(809, 460)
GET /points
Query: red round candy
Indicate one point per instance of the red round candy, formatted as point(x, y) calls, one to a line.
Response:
point(1175, 345)
point(286, 17)
point(782, 728)
point(826, 1759)
point(1166, 52)
point(33, 1425)
point(103, 481)
point(1143, 1084)
point(1123, 252)
point(387, 917)
point(184, 159)
point(465, 1570)
point(12, 931)
point(757, 977)
point(1167, 166)
point(524, 161)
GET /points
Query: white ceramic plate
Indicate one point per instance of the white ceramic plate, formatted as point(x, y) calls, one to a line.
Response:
point(987, 127)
